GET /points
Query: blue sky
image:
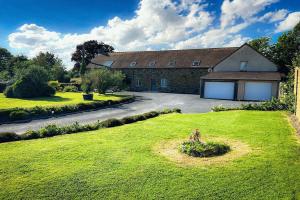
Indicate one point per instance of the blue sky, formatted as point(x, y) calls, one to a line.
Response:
point(30, 26)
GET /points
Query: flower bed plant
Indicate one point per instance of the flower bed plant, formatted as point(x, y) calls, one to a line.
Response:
point(197, 148)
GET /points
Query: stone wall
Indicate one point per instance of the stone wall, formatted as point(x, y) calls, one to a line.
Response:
point(179, 80)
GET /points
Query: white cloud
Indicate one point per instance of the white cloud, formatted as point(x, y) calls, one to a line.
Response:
point(274, 16)
point(233, 10)
point(157, 24)
point(289, 23)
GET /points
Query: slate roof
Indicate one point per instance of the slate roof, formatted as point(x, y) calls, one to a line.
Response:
point(183, 58)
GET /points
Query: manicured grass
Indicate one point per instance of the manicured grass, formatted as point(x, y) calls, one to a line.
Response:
point(60, 98)
point(120, 163)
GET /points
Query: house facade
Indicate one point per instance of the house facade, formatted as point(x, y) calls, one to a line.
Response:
point(236, 73)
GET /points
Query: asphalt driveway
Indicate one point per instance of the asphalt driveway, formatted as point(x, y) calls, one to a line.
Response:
point(145, 101)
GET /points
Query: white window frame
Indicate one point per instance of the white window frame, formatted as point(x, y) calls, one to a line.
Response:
point(152, 63)
point(243, 66)
point(132, 64)
point(163, 83)
point(138, 83)
point(196, 63)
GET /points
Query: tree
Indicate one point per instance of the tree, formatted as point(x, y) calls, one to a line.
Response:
point(262, 45)
point(5, 57)
point(31, 82)
point(52, 64)
point(105, 79)
point(287, 46)
point(85, 52)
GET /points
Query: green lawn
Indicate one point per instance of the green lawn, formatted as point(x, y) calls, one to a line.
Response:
point(120, 163)
point(61, 98)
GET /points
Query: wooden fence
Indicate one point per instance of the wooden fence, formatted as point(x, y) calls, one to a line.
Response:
point(297, 92)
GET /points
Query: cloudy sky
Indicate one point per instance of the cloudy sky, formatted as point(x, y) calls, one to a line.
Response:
point(30, 26)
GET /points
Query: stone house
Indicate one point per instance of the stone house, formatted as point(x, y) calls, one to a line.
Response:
point(236, 73)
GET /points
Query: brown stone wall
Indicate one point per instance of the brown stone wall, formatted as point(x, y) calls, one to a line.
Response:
point(178, 80)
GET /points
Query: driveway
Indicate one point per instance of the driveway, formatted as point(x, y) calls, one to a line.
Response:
point(145, 101)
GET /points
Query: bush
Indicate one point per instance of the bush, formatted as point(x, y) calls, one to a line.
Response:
point(272, 105)
point(8, 92)
point(70, 88)
point(2, 86)
point(30, 134)
point(200, 149)
point(8, 136)
point(49, 131)
point(54, 84)
point(111, 123)
point(31, 82)
point(19, 115)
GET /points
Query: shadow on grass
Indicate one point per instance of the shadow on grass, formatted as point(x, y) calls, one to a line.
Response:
point(50, 99)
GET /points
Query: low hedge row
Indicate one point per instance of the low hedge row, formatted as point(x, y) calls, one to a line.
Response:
point(14, 114)
point(272, 105)
point(53, 129)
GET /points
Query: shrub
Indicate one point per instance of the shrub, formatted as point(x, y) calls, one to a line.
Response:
point(31, 82)
point(2, 86)
point(19, 115)
point(111, 123)
point(49, 131)
point(8, 136)
point(30, 134)
point(8, 92)
point(151, 114)
point(200, 149)
point(54, 84)
point(70, 88)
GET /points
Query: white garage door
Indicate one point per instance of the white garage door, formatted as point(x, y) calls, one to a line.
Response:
point(219, 90)
point(258, 91)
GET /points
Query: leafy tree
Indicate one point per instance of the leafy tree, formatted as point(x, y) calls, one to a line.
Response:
point(287, 46)
point(262, 45)
point(31, 82)
point(87, 51)
point(104, 79)
point(5, 57)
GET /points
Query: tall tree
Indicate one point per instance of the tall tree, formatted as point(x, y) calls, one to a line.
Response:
point(262, 45)
point(287, 47)
point(5, 57)
point(87, 51)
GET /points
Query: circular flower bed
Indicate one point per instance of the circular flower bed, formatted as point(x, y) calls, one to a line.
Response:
point(201, 149)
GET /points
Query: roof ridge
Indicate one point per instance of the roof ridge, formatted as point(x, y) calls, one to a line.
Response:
point(174, 50)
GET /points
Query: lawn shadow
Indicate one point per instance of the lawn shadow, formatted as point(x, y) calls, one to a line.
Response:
point(49, 99)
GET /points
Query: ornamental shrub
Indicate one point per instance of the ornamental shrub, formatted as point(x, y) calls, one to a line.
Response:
point(8, 136)
point(19, 115)
point(70, 88)
point(201, 149)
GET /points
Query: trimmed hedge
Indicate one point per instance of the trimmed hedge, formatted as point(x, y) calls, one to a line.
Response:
point(272, 105)
point(13, 114)
point(53, 130)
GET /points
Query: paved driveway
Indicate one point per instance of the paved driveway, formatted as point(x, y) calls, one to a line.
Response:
point(144, 102)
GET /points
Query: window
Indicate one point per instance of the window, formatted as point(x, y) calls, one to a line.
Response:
point(163, 83)
point(196, 63)
point(132, 64)
point(107, 63)
point(172, 63)
point(152, 63)
point(243, 66)
point(138, 83)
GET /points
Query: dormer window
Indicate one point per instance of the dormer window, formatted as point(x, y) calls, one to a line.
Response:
point(172, 63)
point(132, 64)
point(108, 63)
point(152, 63)
point(196, 63)
point(243, 66)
